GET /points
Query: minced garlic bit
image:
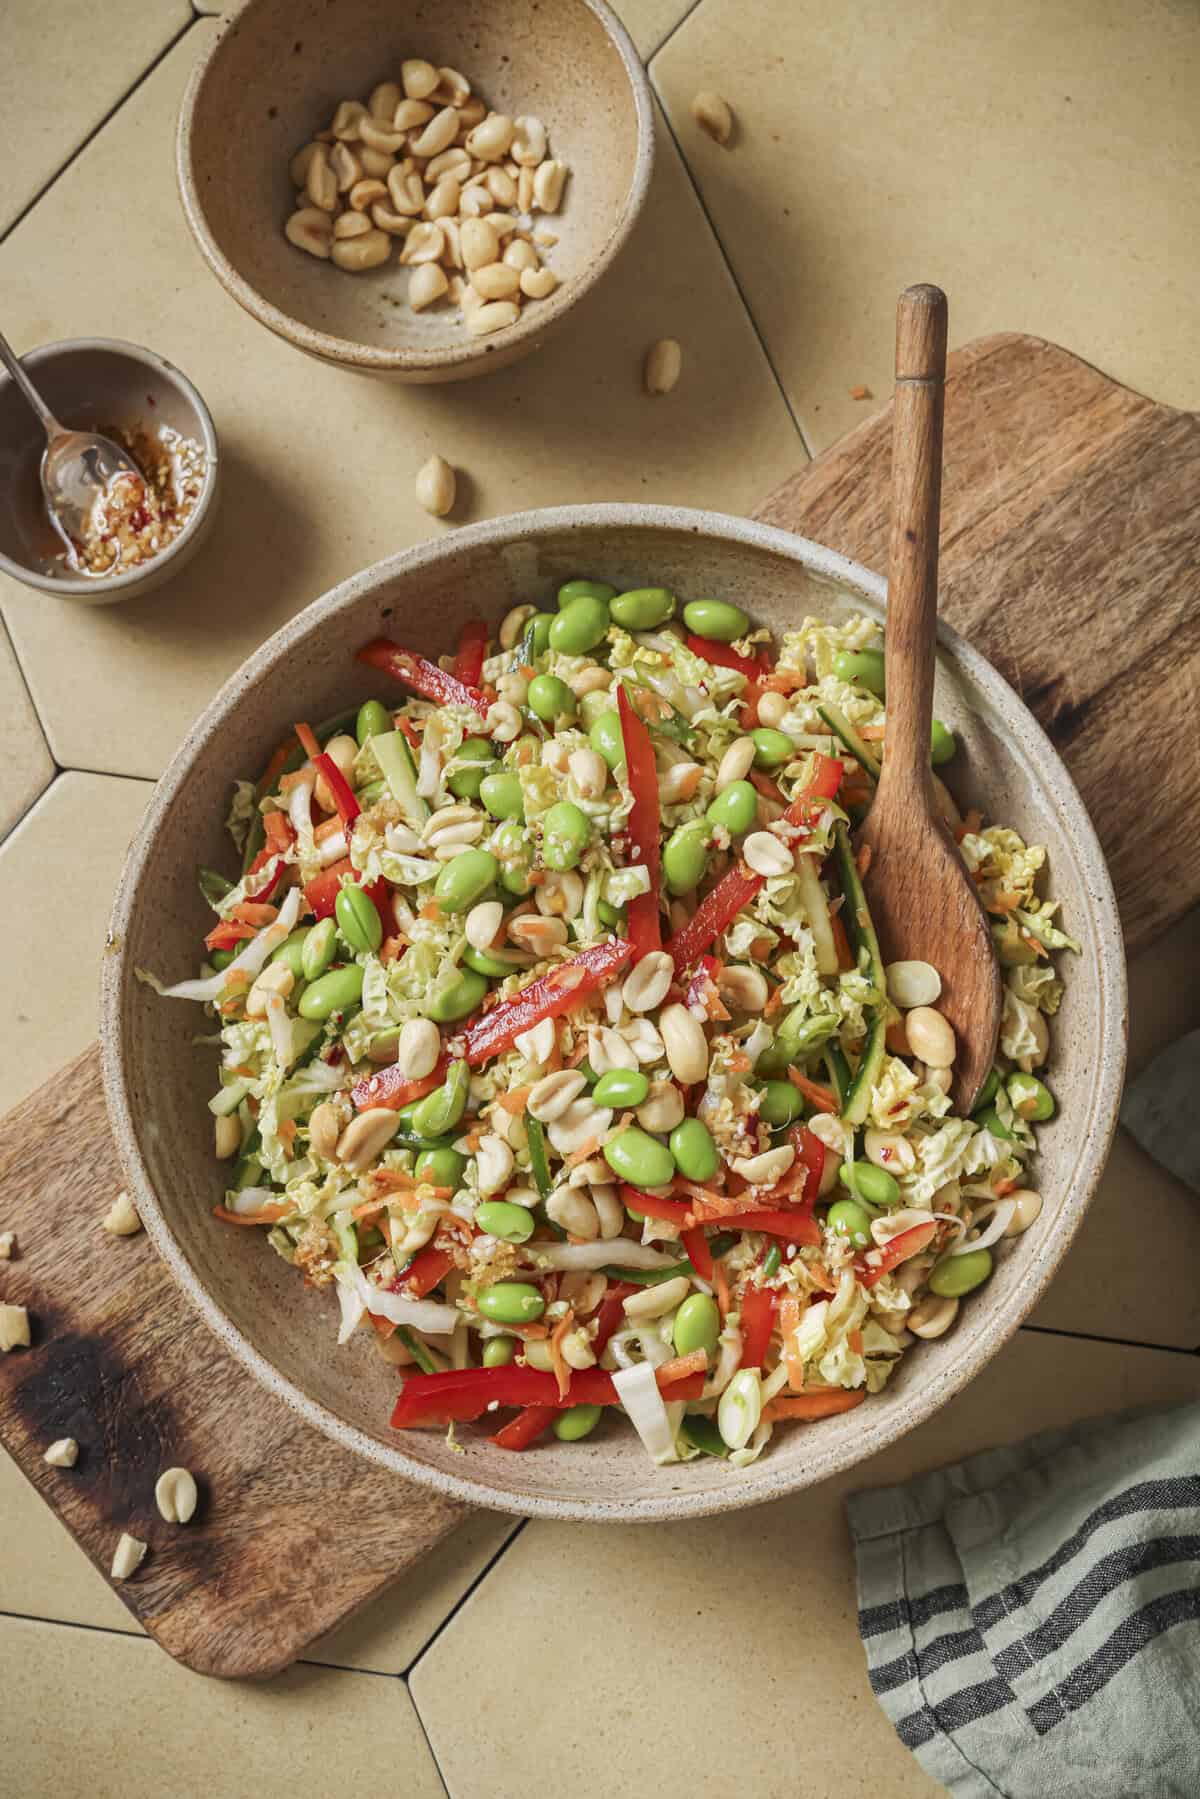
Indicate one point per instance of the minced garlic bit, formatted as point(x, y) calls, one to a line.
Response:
point(121, 1219)
point(62, 1454)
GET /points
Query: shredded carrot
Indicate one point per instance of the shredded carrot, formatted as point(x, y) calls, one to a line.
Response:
point(264, 1215)
point(816, 1095)
point(774, 1002)
point(578, 1054)
point(530, 1333)
point(279, 755)
point(739, 1064)
point(430, 909)
point(558, 1360)
point(255, 913)
point(789, 1324)
point(822, 1404)
point(761, 947)
point(784, 680)
point(554, 1060)
point(368, 1208)
point(286, 1132)
point(855, 1341)
point(584, 1152)
point(667, 1373)
point(277, 830)
point(721, 1283)
point(391, 949)
point(308, 741)
point(1003, 1188)
point(411, 731)
point(514, 1100)
point(841, 942)
point(871, 733)
point(229, 927)
point(328, 827)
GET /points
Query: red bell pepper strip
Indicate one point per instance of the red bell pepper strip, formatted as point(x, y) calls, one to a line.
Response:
point(525, 1428)
point(611, 1314)
point(391, 1089)
point(462, 1394)
point(878, 1262)
point(758, 1321)
point(671, 1211)
point(811, 1152)
point(720, 907)
point(645, 932)
point(472, 646)
point(720, 654)
point(347, 806)
point(557, 992)
point(425, 678)
point(798, 1227)
point(229, 933)
point(698, 1252)
point(427, 1268)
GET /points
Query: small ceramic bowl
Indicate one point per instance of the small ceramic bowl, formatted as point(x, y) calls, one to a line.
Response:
point(158, 1080)
point(275, 77)
point(93, 383)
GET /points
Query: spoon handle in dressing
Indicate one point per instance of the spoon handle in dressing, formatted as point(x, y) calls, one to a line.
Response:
point(913, 549)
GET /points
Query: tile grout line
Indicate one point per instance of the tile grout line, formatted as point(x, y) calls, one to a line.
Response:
point(103, 1630)
point(732, 272)
point(1051, 1330)
point(648, 58)
point(100, 125)
point(423, 1651)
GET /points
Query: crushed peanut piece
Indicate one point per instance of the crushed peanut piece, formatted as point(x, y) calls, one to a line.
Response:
point(8, 1242)
point(62, 1454)
point(121, 1220)
point(128, 1556)
point(14, 1328)
point(713, 115)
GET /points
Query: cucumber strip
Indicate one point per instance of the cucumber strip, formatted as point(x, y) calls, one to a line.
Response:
point(647, 1277)
point(416, 1349)
point(838, 1070)
point(816, 908)
point(857, 1103)
point(849, 738)
point(702, 1433)
point(855, 914)
point(396, 764)
point(539, 1163)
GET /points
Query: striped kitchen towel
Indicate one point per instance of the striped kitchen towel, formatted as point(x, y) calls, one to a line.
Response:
point(1031, 1616)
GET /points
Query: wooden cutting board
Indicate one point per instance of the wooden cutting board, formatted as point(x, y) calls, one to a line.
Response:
point(1071, 557)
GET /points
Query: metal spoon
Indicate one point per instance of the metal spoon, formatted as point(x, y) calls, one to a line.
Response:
point(77, 466)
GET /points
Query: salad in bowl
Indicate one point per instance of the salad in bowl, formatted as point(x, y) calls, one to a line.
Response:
point(555, 1039)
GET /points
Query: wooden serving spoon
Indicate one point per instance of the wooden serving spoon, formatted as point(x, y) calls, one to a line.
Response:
point(923, 901)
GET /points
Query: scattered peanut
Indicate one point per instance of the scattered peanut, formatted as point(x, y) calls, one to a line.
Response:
point(8, 1242)
point(62, 1454)
point(766, 855)
point(127, 1557)
point(662, 368)
point(14, 1328)
point(175, 1495)
point(930, 1036)
point(436, 482)
point(713, 115)
point(121, 1220)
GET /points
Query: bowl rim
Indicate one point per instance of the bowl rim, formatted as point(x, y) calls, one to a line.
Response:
point(891, 1423)
point(83, 586)
point(458, 357)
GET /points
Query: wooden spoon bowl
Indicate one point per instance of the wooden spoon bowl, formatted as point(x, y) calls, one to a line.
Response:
point(923, 902)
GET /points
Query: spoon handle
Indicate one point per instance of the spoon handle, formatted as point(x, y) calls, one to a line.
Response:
point(11, 362)
point(913, 549)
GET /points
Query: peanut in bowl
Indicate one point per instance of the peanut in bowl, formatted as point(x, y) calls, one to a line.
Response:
point(335, 209)
point(244, 1290)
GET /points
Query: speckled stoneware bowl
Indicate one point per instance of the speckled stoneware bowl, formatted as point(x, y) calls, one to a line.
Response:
point(275, 76)
point(158, 1080)
point(94, 382)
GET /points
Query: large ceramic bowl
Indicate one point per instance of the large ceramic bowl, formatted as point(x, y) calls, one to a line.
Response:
point(158, 1078)
point(275, 76)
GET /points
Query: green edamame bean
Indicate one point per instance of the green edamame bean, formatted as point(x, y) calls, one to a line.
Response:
point(874, 1185)
point(565, 833)
point(861, 668)
point(694, 1151)
point(440, 1167)
point(482, 963)
point(849, 1219)
point(577, 1422)
point(780, 1103)
point(612, 916)
point(465, 880)
point(291, 951)
point(318, 949)
point(373, 720)
point(697, 1325)
point(621, 1087)
point(942, 743)
point(357, 919)
point(642, 608)
point(511, 1302)
point(442, 1109)
point(581, 627)
point(540, 625)
point(991, 1121)
point(954, 1276)
point(639, 1158)
point(775, 1059)
point(685, 856)
point(988, 1091)
point(581, 589)
point(499, 1351)
point(457, 998)
point(333, 992)
point(465, 783)
point(607, 740)
point(1031, 1098)
point(771, 748)
point(550, 698)
point(221, 958)
point(515, 857)
point(499, 1218)
point(502, 795)
point(716, 619)
point(736, 808)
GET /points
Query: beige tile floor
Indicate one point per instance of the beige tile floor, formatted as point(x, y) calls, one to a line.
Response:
point(838, 190)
